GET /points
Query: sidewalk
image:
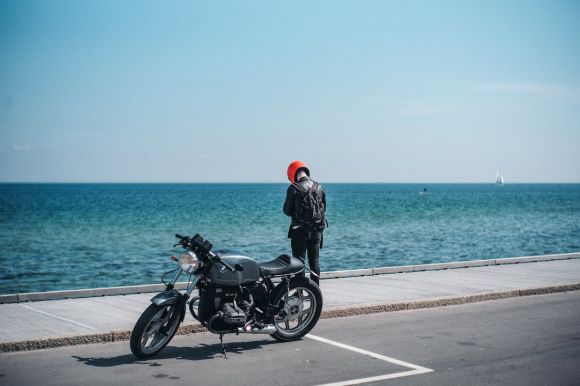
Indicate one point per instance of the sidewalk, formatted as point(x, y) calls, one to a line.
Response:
point(41, 324)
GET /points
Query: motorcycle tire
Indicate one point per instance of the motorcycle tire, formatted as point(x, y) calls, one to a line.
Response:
point(157, 322)
point(300, 309)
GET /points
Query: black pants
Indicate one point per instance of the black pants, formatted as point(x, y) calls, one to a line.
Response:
point(310, 242)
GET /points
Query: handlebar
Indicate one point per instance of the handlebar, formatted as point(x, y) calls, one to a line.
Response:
point(198, 243)
point(183, 240)
point(219, 260)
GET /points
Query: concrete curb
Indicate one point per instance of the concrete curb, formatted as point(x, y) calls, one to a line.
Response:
point(336, 312)
point(449, 265)
point(147, 288)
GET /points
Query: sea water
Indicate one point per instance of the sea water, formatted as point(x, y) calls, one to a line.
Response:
point(67, 236)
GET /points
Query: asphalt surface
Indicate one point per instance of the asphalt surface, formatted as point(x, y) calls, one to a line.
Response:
point(519, 341)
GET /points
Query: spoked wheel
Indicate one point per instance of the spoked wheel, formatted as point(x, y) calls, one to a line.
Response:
point(300, 308)
point(154, 330)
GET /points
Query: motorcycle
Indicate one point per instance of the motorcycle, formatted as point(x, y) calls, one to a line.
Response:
point(235, 295)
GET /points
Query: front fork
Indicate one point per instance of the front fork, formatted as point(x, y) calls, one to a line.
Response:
point(190, 286)
point(173, 297)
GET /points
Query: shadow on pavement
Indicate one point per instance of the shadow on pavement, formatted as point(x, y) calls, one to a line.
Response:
point(197, 353)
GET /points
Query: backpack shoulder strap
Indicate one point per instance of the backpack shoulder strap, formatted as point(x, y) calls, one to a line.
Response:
point(299, 187)
point(314, 188)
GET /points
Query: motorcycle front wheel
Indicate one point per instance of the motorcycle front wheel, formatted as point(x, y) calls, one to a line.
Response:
point(300, 308)
point(154, 329)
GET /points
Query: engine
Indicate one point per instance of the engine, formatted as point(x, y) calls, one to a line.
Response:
point(228, 309)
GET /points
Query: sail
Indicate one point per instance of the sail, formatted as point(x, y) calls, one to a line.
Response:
point(499, 178)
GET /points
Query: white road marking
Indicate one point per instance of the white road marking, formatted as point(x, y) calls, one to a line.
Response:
point(416, 369)
point(58, 317)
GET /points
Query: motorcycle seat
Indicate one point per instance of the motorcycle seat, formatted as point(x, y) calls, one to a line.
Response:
point(282, 265)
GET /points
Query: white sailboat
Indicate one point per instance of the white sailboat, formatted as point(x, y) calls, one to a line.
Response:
point(499, 178)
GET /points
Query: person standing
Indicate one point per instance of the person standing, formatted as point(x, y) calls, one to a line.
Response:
point(306, 204)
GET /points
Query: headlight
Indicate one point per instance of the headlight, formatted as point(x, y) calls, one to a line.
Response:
point(188, 262)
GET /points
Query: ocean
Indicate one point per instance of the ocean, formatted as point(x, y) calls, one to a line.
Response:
point(70, 236)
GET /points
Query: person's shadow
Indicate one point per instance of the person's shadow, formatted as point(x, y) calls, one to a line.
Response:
point(201, 352)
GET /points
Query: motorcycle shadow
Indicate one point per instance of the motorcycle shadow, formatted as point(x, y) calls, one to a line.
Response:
point(196, 353)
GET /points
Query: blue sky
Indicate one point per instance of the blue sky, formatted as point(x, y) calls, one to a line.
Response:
point(364, 91)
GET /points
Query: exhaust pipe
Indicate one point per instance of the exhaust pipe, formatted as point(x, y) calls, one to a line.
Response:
point(253, 329)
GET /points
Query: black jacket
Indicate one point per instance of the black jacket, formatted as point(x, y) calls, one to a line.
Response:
point(292, 197)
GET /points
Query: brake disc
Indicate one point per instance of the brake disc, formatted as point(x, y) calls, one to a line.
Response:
point(293, 308)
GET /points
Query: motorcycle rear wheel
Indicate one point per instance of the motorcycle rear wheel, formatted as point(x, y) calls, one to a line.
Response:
point(154, 329)
point(300, 309)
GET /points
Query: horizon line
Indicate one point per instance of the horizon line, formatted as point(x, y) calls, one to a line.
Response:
point(273, 182)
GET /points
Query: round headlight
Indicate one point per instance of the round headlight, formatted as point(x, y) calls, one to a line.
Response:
point(188, 262)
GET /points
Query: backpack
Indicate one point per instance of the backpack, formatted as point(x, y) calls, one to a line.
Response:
point(310, 208)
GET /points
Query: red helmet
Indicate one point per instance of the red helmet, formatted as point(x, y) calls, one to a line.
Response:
point(293, 169)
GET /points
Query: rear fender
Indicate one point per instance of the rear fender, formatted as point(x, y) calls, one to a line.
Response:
point(280, 290)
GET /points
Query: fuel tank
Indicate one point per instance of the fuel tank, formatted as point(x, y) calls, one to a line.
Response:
point(220, 275)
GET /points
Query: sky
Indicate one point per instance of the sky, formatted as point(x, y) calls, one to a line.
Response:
point(233, 91)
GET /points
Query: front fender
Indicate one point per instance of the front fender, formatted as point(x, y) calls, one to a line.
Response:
point(167, 298)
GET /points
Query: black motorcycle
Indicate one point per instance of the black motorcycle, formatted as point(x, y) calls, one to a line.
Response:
point(236, 295)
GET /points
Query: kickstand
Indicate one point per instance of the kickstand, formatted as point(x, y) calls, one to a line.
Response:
point(223, 347)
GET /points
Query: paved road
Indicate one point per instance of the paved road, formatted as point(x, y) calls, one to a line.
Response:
point(520, 341)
